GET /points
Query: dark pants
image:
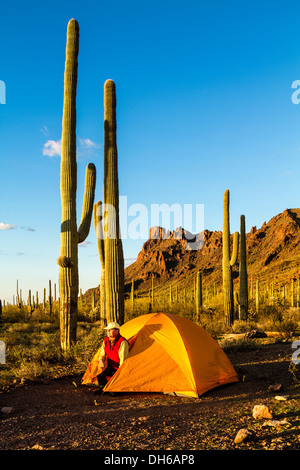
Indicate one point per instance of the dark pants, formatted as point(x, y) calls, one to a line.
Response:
point(105, 375)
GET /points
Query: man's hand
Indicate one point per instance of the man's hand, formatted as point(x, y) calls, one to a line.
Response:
point(102, 362)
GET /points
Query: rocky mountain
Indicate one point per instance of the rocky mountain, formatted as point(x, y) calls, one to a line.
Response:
point(273, 255)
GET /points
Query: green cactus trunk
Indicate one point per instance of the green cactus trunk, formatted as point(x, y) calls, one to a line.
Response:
point(243, 273)
point(113, 248)
point(98, 217)
point(70, 237)
point(228, 262)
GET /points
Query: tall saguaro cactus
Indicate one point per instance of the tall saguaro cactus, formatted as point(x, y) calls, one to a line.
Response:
point(70, 236)
point(228, 262)
point(243, 272)
point(112, 258)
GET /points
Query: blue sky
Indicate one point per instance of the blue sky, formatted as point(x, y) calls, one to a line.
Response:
point(203, 104)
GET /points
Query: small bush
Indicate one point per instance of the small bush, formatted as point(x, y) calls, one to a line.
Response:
point(33, 350)
point(242, 326)
point(239, 344)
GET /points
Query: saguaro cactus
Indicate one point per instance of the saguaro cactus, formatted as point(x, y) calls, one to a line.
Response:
point(243, 272)
point(113, 258)
point(70, 236)
point(228, 262)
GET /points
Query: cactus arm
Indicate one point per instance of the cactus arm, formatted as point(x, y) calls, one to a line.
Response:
point(88, 201)
point(235, 249)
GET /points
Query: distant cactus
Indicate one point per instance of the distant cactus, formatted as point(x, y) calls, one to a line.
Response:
point(292, 293)
point(257, 296)
point(113, 258)
point(50, 298)
point(228, 262)
point(170, 295)
point(243, 272)
point(70, 236)
point(198, 294)
point(132, 295)
point(93, 300)
point(152, 292)
point(29, 303)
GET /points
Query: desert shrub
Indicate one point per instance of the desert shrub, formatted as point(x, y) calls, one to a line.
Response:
point(243, 326)
point(13, 314)
point(214, 328)
point(239, 344)
point(288, 324)
point(33, 350)
point(294, 369)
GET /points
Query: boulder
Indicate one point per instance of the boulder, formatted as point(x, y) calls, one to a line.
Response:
point(244, 435)
point(7, 409)
point(262, 412)
point(275, 388)
point(256, 334)
point(281, 398)
point(274, 422)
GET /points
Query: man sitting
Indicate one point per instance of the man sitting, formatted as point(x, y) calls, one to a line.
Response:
point(113, 353)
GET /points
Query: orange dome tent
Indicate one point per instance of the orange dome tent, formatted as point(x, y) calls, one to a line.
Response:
point(168, 354)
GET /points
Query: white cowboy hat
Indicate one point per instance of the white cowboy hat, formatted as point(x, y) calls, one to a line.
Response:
point(112, 325)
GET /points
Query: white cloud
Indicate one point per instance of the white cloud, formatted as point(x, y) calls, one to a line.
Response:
point(13, 227)
point(6, 226)
point(88, 144)
point(85, 243)
point(28, 229)
point(86, 148)
point(52, 148)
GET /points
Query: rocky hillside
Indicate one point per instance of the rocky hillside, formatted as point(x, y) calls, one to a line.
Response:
point(273, 254)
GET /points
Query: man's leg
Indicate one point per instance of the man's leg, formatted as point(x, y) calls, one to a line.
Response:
point(102, 379)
